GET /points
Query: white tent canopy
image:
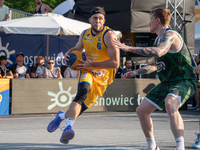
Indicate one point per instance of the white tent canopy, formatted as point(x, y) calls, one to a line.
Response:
point(45, 24)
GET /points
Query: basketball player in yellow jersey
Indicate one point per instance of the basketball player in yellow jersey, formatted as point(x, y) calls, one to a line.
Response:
point(96, 72)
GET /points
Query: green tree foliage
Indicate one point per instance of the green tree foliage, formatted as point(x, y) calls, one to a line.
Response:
point(29, 5)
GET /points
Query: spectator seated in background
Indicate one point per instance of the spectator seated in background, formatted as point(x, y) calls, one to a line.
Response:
point(20, 70)
point(41, 8)
point(50, 71)
point(4, 11)
point(129, 67)
point(197, 58)
point(69, 73)
point(5, 71)
point(118, 73)
point(37, 70)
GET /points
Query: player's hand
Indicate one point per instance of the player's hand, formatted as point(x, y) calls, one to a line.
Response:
point(84, 64)
point(197, 68)
point(129, 74)
point(120, 45)
point(67, 55)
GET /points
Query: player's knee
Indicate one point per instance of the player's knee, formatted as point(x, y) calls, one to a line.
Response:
point(170, 108)
point(139, 111)
point(83, 90)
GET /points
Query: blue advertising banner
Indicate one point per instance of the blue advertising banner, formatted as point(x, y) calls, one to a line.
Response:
point(4, 96)
point(33, 45)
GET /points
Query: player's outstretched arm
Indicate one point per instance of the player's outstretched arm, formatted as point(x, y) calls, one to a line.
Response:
point(164, 46)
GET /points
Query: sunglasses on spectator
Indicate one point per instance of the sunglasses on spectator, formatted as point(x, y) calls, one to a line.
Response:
point(50, 63)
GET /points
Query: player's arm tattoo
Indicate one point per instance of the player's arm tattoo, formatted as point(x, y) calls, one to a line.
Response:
point(160, 50)
point(147, 69)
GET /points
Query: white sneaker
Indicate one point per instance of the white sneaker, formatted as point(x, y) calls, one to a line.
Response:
point(196, 145)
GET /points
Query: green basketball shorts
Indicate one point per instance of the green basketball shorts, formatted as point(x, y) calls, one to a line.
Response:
point(182, 90)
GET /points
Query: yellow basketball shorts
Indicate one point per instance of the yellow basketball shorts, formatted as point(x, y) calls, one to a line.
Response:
point(96, 90)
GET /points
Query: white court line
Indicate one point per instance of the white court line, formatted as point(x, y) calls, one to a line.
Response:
point(104, 148)
point(53, 116)
point(99, 148)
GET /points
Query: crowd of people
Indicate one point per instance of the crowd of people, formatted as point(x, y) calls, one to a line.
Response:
point(38, 70)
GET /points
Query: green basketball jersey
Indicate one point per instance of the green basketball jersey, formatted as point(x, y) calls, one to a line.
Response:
point(174, 66)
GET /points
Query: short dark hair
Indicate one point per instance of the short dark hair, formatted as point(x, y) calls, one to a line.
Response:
point(3, 57)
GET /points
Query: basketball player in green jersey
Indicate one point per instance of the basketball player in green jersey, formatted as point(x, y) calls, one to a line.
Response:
point(172, 61)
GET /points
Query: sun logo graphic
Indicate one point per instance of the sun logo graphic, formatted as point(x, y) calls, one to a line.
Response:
point(5, 52)
point(62, 98)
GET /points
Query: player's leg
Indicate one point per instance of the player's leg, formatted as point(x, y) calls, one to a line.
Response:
point(74, 111)
point(88, 92)
point(176, 122)
point(85, 82)
point(143, 111)
point(179, 93)
point(154, 100)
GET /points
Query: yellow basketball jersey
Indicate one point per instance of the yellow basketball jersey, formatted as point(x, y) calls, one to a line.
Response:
point(96, 51)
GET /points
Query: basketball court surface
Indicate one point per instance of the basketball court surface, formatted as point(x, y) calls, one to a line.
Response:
point(93, 131)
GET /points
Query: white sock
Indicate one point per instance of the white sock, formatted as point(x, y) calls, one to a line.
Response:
point(180, 143)
point(70, 122)
point(151, 143)
point(62, 116)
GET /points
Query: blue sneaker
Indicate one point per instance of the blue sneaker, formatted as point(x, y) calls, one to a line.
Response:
point(196, 145)
point(54, 124)
point(67, 135)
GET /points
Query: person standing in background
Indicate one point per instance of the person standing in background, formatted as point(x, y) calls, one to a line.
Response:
point(4, 11)
point(42, 8)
